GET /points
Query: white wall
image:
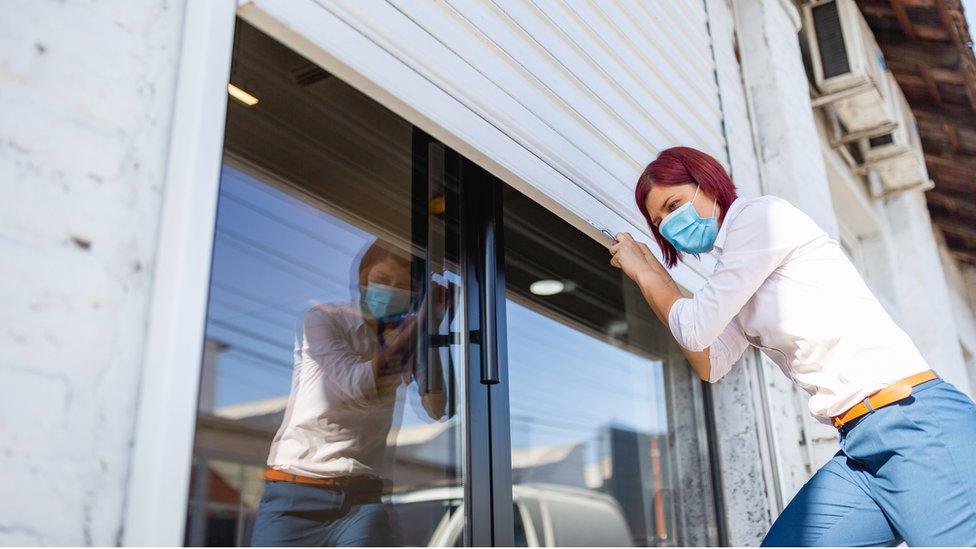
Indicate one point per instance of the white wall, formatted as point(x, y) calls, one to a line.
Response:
point(922, 293)
point(961, 280)
point(967, 277)
point(781, 102)
point(86, 91)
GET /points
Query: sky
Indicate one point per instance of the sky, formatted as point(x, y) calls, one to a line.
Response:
point(969, 6)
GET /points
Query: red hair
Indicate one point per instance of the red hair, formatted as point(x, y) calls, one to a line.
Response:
point(676, 166)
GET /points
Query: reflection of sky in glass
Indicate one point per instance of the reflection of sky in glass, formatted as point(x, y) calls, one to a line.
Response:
point(565, 384)
point(275, 256)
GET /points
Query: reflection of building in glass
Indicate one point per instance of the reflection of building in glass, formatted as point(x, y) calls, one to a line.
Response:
point(628, 466)
point(224, 496)
point(639, 467)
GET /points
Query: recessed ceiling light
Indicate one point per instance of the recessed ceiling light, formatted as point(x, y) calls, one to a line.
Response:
point(617, 328)
point(241, 95)
point(547, 287)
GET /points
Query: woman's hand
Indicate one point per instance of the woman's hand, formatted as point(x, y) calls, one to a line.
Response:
point(632, 257)
point(657, 287)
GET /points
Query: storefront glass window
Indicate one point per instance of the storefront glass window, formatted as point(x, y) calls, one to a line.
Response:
point(327, 415)
point(333, 404)
point(604, 431)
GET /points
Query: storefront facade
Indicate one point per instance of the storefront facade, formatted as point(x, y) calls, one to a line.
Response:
point(470, 154)
point(535, 426)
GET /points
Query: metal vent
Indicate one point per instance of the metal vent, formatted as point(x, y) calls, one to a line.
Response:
point(308, 74)
point(881, 140)
point(830, 40)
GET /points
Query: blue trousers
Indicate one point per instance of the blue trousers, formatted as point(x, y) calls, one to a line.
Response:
point(301, 515)
point(905, 472)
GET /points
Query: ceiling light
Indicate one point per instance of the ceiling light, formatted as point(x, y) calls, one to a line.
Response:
point(617, 328)
point(547, 287)
point(241, 95)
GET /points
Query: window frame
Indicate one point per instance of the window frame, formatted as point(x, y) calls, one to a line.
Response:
point(154, 512)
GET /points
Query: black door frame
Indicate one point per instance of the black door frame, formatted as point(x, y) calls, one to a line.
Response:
point(489, 514)
point(488, 508)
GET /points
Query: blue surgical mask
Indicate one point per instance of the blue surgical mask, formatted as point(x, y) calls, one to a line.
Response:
point(386, 302)
point(687, 231)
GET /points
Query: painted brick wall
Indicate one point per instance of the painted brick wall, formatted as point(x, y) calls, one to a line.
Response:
point(86, 92)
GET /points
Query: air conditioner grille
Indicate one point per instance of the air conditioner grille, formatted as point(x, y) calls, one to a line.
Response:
point(830, 40)
point(881, 140)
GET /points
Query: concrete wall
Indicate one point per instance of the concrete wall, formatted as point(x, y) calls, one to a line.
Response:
point(86, 91)
point(968, 279)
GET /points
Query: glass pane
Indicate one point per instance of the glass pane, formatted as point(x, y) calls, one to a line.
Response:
point(597, 391)
point(329, 397)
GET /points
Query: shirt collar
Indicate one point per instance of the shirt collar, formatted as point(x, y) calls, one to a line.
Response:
point(723, 230)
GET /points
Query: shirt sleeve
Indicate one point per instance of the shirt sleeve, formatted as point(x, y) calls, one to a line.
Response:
point(758, 240)
point(725, 351)
point(339, 366)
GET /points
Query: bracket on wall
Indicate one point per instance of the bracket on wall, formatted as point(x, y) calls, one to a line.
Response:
point(838, 138)
point(818, 101)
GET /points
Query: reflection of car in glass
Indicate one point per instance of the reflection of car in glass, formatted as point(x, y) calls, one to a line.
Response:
point(546, 515)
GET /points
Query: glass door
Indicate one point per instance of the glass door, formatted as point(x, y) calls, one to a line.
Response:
point(334, 400)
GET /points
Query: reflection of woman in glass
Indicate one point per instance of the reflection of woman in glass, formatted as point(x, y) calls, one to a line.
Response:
point(329, 458)
point(906, 470)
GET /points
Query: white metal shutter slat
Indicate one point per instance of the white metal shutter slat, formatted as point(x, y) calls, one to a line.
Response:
point(597, 69)
point(579, 87)
point(694, 101)
point(562, 98)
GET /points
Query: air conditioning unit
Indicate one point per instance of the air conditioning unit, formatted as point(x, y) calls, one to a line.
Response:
point(897, 156)
point(847, 61)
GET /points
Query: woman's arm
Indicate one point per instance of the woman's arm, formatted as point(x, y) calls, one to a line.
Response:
point(761, 237)
point(658, 288)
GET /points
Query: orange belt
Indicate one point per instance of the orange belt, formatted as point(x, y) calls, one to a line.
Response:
point(335, 482)
point(890, 394)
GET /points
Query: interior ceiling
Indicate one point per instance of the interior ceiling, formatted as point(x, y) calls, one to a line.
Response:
point(927, 46)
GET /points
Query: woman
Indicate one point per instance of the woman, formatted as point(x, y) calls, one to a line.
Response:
point(906, 470)
point(330, 462)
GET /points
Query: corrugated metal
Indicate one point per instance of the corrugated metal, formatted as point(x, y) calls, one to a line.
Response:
point(594, 89)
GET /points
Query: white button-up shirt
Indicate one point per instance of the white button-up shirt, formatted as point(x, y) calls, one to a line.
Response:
point(336, 423)
point(784, 286)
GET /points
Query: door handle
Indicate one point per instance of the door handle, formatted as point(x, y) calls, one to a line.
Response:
point(489, 309)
